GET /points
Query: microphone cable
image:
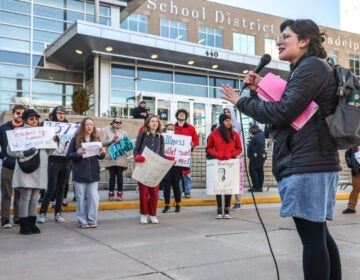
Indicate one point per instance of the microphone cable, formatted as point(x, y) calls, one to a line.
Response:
point(253, 197)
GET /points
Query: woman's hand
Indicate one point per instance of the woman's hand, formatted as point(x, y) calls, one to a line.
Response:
point(102, 151)
point(80, 151)
point(252, 80)
point(229, 94)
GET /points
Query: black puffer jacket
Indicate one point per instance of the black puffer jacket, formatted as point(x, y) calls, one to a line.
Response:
point(311, 149)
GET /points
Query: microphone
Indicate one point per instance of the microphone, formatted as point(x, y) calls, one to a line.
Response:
point(264, 60)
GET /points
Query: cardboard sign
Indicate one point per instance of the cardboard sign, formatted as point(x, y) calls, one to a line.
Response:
point(152, 170)
point(65, 132)
point(178, 146)
point(222, 177)
point(22, 139)
point(120, 149)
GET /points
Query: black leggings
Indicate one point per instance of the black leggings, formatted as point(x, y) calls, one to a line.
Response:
point(321, 259)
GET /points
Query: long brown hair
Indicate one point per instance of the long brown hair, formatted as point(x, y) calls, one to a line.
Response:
point(80, 134)
point(147, 124)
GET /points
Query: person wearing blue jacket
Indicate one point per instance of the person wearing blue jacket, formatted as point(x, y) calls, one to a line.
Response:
point(86, 174)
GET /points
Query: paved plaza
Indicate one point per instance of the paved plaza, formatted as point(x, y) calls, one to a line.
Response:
point(188, 245)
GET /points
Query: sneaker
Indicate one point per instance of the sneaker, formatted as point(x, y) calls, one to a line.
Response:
point(119, 196)
point(41, 218)
point(227, 216)
point(6, 224)
point(154, 220)
point(177, 209)
point(92, 225)
point(59, 218)
point(111, 196)
point(349, 211)
point(84, 226)
point(143, 219)
point(236, 206)
point(219, 216)
point(166, 209)
point(187, 195)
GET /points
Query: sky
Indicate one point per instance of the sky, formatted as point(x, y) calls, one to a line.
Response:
point(323, 12)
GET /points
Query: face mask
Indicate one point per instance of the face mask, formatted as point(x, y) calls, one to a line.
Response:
point(170, 131)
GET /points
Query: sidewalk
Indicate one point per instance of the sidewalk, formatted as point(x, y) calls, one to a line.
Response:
point(198, 198)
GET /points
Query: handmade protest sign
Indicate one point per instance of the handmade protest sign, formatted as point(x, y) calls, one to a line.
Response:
point(65, 132)
point(179, 147)
point(152, 170)
point(120, 149)
point(22, 139)
point(222, 177)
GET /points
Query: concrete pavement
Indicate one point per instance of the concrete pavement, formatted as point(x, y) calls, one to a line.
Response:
point(191, 244)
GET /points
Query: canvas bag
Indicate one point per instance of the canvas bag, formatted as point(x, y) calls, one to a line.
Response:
point(29, 164)
point(344, 124)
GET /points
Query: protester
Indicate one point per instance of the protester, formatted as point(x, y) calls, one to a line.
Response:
point(171, 180)
point(86, 173)
point(116, 167)
point(257, 155)
point(224, 144)
point(184, 128)
point(305, 162)
point(140, 112)
point(353, 164)
point(29, 182)
point(236, 126)
point(8, 165)
point(151, 138)
point(58, 173)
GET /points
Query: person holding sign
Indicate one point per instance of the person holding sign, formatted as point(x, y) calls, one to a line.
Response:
point(86, 172)
point(224, 144)
point(116, 167)
point(30, 175)
point(171, 179)
point(151, 138)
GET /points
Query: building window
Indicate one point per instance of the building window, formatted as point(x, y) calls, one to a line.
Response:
point(173, 29)
point(355, 64)
point(271, 48)
point(244, 44)
point(136, 22)
point(210, 37)
point(334, 55)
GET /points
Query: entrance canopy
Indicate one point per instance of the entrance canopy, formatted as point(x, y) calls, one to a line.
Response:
point(75, 48)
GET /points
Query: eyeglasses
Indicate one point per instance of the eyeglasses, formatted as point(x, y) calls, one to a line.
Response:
point(285, 36)
point(18, 113)
point(33, 118)
point(117, 122)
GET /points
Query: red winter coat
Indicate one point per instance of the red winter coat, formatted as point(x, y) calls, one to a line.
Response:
point(189, 130)
point(218, 148)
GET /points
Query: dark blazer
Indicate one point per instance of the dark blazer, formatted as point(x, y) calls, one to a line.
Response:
point(311, 149)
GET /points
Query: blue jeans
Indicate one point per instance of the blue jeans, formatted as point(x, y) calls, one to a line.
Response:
point(187, 183)
point(87, 202)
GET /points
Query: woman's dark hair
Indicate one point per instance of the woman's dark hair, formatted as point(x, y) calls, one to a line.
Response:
point(224, 132)
point(306, 28)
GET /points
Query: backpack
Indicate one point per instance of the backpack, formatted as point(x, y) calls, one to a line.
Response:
point(344, 124)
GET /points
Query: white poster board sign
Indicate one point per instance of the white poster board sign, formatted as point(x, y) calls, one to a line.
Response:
point(178, 146)
point(65, 132)
point(91, 148)
point(152, 170)
point(222, 177)
point(22, 139)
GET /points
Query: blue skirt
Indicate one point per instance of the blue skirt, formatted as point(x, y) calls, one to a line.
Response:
point(310, 196)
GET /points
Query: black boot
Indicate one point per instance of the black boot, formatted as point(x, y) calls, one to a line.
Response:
point(166, 209)
point(32, 225)
point(24, 226)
